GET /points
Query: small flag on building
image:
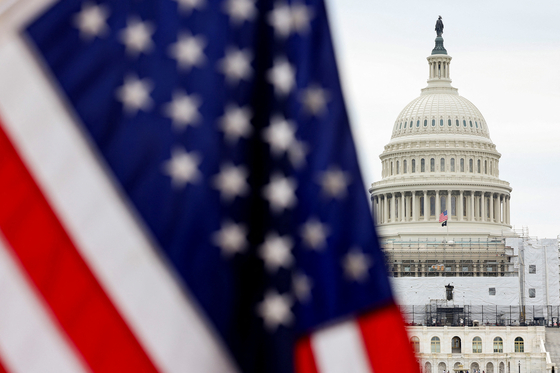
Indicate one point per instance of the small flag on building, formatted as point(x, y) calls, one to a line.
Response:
point(443, 218)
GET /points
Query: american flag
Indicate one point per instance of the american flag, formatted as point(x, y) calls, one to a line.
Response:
point(180, 193)
point(443, 216)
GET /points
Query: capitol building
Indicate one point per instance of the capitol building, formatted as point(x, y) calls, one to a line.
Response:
point(477, 295)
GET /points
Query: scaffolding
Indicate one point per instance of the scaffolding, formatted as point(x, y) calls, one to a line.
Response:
point(461, 257)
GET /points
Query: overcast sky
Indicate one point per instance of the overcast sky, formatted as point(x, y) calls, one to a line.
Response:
point(506, 61)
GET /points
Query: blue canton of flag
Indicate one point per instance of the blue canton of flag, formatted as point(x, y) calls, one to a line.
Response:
point(224, 126)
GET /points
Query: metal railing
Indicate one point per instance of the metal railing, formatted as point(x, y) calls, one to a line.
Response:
point(481, 315)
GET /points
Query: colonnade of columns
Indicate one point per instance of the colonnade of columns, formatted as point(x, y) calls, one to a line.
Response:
point(426, 205)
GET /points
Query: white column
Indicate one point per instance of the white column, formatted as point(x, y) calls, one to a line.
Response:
point(460, 207)
point(413, 206)
point(393, 197)
point(425, 205)
point(491, 207)
point(472, 206)
point(507, 209)
point(385, 209)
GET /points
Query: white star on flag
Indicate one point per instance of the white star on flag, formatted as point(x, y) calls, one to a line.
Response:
point(92, 20)
point(280, 134)
point(301, 285)
point(188, 51)
point(334, 182)
point(182, 167)
point(314, 99)
point(280, 193)
point(282, 76)
point(356, 265)
point(236, 123)
point(240, 11)
point(236, 65)
point(314, 234)
point(280, 18)
point(275, 310)
point(232, 181)
point(137, 36)
point(187, 6)
point(135, 94)
point(297, 152)
point(231, 238)
point(276, 252)
point(301, 17)
point(183, 109)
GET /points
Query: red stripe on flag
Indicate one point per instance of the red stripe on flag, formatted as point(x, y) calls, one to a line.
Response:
point(2, 369)
point(303, 357)
point(53, 264)
point(386, 341)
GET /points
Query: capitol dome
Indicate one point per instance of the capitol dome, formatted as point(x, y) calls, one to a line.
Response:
point(440, 159)
point(440, 113)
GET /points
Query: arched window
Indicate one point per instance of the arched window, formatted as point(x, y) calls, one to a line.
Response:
point(490, 167)
point(464, 123)
point(398, 169)
point(519, 345)
point(432, 205)
point(436, 348)
point(432, 165)
point(470, 165)
point(422, 165)
point(441, 122)
point(498, 345)
point(404, 167)
point(413, 165)
point(452, 165)
point(425, 122)
point(400, 125)
point(470, 121)
point(418, 123)
point(456, 345)
point(462, 165)
point(476, 123)
point(478, 166)
point(453, 206)
point(449, 122)
point(391, 167)
point(442, 165)
point(415, 342)
point(410, 124)
point(477, 345)
point(457, 122)
point(433, 122)
point(421, 206)
point(485, 167)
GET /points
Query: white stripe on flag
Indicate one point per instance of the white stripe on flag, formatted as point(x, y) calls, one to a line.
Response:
point(339, 349)
point(110, 239)
point(30, 340)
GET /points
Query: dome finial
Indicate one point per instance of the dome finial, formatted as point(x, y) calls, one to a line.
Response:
point(439, 27)
point(439, 48)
